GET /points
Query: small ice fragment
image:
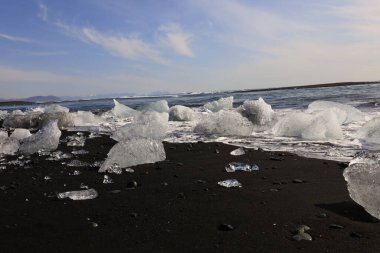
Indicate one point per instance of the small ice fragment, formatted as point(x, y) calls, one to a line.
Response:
point(239, 151)
point(114, 169)
point(76, 140)
point(107, 180)
point(94, 135)
point(97, 164)
point(79, 152)
point(3, 167)
point(230, 183)
point(47, 178)
point(79, 195)
point(83, 186)
point(235, 166)
point(77, 163)
point(129, 170)
point(75, 173)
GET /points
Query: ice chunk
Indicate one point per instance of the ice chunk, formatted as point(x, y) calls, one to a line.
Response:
point(53, 108)
point(19, 119)
point(85, 118)
point(107, 180)
point(230, 183)
point(258, 112)
point(79, 152)
point(235, 166)
point(3, 114)
point(134, 152)
point(46, 138)
point(77, 140)
point(158, 106)
point(79, 195)
point(8, 145)
point(20, 133)
point(221, 104)
point(238, 151)
point(78, 163)
point(122, 111)
point(370, 131)
point(352, 114)
point(225, 123)
point(181, 113)
point(363, 182)
point(145, 125)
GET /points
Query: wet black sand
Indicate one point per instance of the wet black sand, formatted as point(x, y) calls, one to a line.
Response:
point(178, 206)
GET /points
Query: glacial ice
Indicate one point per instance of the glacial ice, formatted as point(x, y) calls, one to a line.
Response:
point(84, 118)
point(237, 152)
point(363, 182)
point(221, 104)
point(8, 145)
point(370, 131)
point(122, 111)
point(181, 113)
point(258, 112)
point(292, 125)
point(54, 108)
point(19, 119)
point(237, 166)
point(20, 133)
point(229, 183)
point(225, 123)
point(79, 195)
point(158, 106)
point(133, 152)
point(76, 140)
point(145, 125)
point(3, 114)
point(353, 114)
point(46, 138)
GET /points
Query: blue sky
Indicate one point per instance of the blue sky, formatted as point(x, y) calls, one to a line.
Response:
point(87, 47)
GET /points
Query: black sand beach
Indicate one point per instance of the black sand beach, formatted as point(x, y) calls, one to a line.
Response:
point(179, 207)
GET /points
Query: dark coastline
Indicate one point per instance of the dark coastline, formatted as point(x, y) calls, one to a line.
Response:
point(178, 206)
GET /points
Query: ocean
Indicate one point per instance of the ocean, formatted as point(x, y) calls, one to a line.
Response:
point(365, 97)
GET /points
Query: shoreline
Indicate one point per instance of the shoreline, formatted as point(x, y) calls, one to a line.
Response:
point(178, 205)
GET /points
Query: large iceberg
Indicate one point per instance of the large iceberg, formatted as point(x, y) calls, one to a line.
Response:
point(8, 145)
point(145, 125)
point(225, 123)
point(221, 104)
point(157, 106)
point(363, 183)
point(181, 113)
point(370, 131)
point(46, 139)
point(133, 152)
point(122, 111)
point(352, 114)
point(258, 112)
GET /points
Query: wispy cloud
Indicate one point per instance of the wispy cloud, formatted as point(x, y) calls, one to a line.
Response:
point(43, 11)
point(175, 38)
point(14, 38)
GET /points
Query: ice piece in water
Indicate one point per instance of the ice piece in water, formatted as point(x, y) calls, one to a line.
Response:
point(370, 131)
point(85, 118)
point(225, 123)
point(235, 166)
point(258, 112)
point(158, 106)
point(20, 133)
point(145, 125)
point(122, 111)
point(46, 138)
point(107, 180)
point(363, 183)
point(221, 104)
point(230, 183)
point(181, 113)
point(238, 151)
point(79, 195)
point(8, 145)
point(134, 152)
point(352, 114)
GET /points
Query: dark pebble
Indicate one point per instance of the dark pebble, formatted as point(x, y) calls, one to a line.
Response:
point(226, 227)
point(335, 226)
point(181, 195)
point(322, 215)
point(217, 151)
point(132, 185)
point(133, 215)
point(172, 147)
point(164, 184)
point(179, 164)
point(115, 191)
point(356, 235)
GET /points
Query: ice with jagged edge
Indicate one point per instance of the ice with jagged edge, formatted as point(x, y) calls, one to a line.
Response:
point(157, 106)
point(46, 139)
point(133, 152)
point(370, 131)
point(122, 111)
point(363, 182)
point(352, 113)
point(8, 145)
point(221, 104)
point(145, 125)
point(224, 123)
point(258, 111)
point(19, 119)
point(79, 195)
point(181, 113)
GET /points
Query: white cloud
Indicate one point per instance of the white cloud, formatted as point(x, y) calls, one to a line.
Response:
point(176, 39)
point(43, 11)
point(13, 38)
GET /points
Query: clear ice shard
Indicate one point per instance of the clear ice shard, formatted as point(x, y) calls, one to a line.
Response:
point(145, 125)
point(238, 151)
point(107, 179)
point(46, 139)
point(225, 123)
point(79, 195)
point(158, 106)
point(133, 152)
point(221, 104)
point(363, 182)
point(122, 111)
point(181, 113)
point(20, 133)
point(229, 183)
point(236, 166)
